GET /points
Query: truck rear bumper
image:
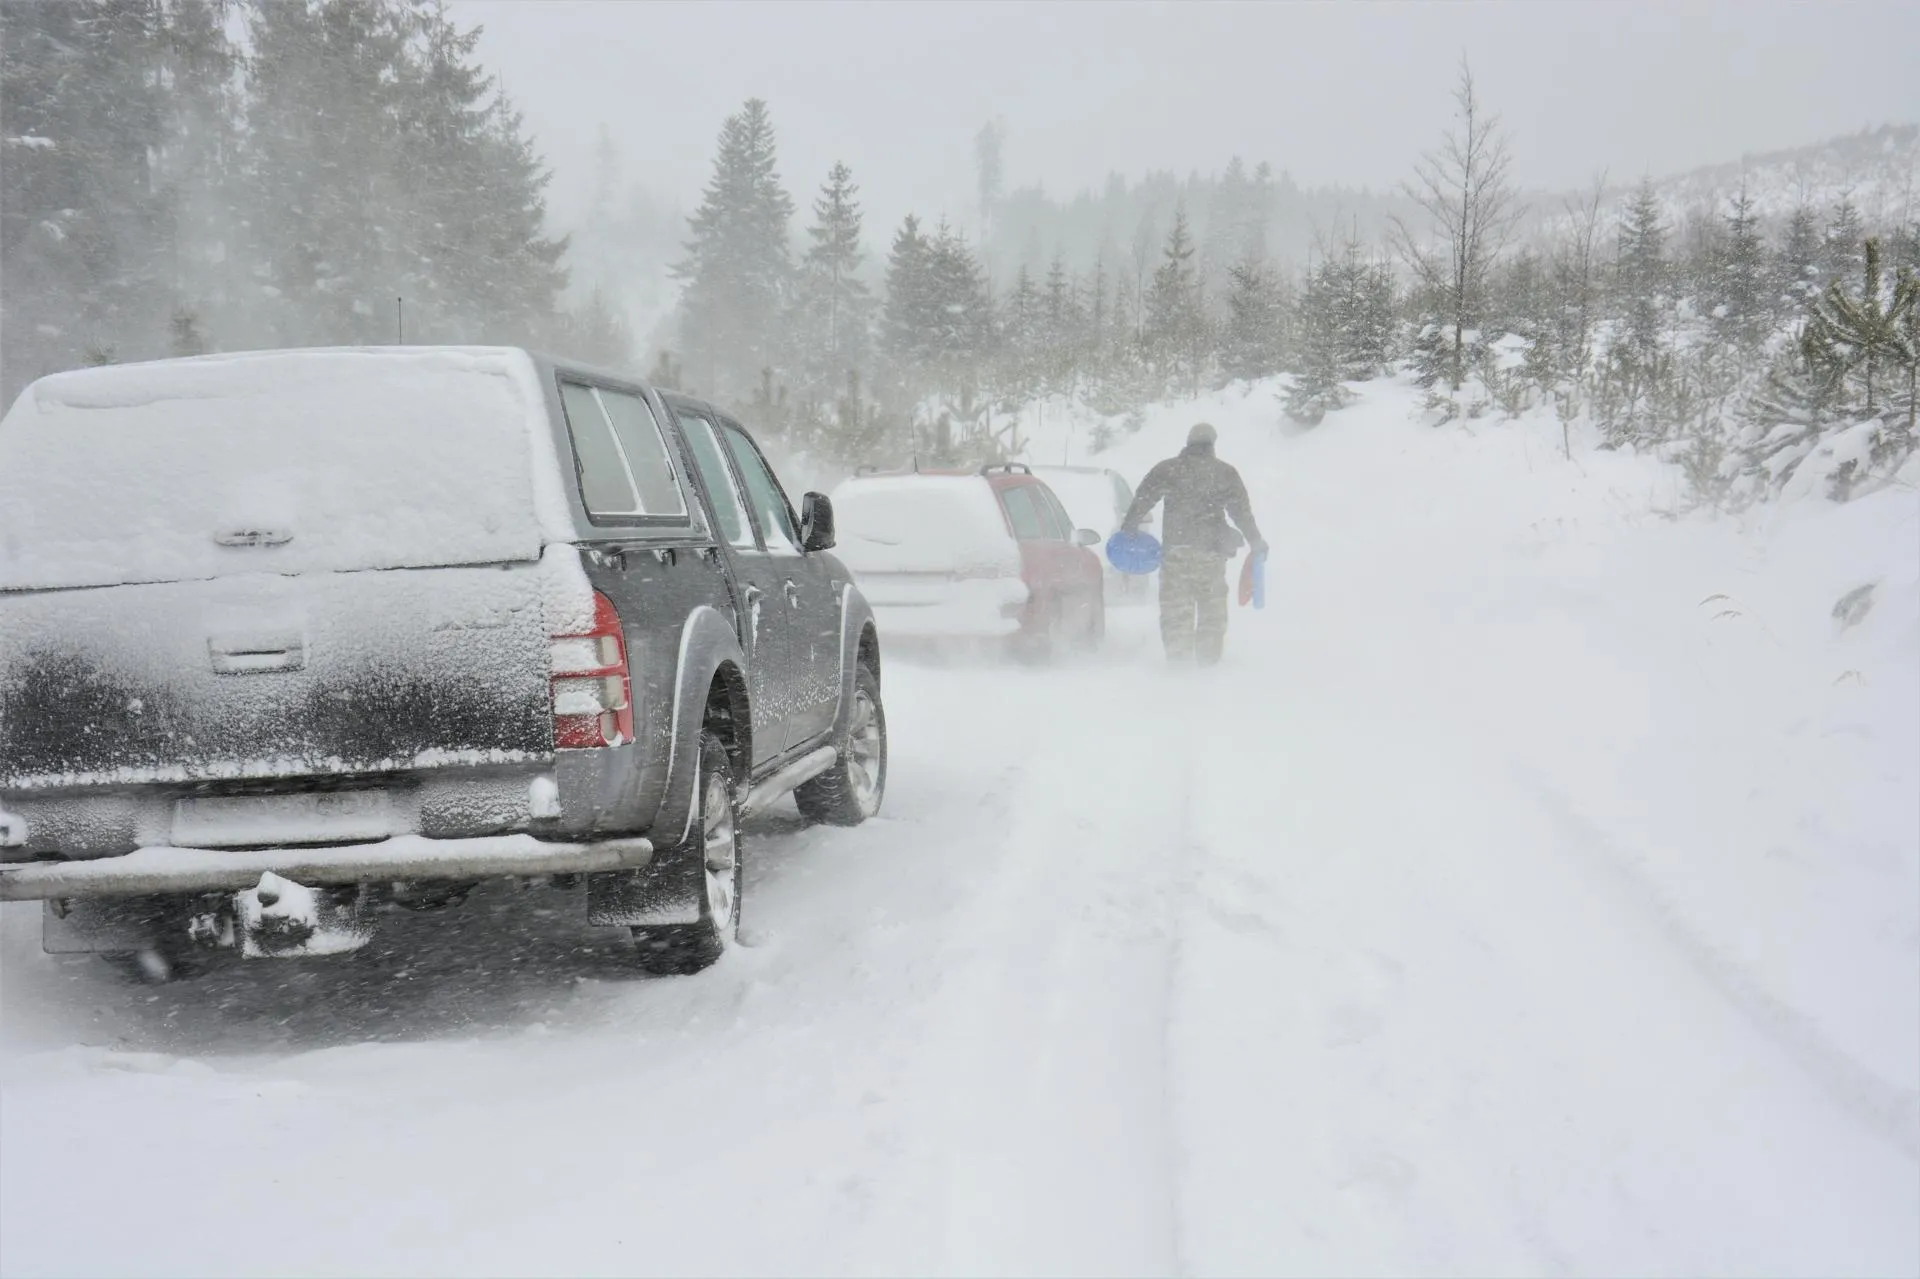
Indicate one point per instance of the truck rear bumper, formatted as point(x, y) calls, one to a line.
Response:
point(405, 857)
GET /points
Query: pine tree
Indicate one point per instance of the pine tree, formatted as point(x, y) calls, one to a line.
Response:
point(1063, 336)
point(1023, 333)
point(86, 225)
point(1740, 286)
point(830, 324)
point(327, 95)
point(1576, 295)
point(1856, 366)
point(1250, 340)
point(1322, 357)
point(476, 243)
point(1857, 343)
point(832, 280)
point(909, 305)
point(1798, 269)
point(958, 329)
point(1641, 271)
point(596, 333)
point(1841, 256)
point(1176, 322)
point(737, 272)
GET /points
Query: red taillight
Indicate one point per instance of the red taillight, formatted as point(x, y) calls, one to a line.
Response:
point(592, 692)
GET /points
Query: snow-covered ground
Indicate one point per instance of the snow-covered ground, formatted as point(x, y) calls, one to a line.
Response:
point(1534, 889)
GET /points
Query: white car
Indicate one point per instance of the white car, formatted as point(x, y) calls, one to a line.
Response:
point(989, 554)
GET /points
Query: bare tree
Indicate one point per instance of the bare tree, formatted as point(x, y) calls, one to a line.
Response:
point(1470, 204)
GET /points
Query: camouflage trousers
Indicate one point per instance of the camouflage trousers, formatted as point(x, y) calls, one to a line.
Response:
point(1193, 605)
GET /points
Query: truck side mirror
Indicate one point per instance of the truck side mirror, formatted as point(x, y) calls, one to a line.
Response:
point(1086, 537)
point(816, 522)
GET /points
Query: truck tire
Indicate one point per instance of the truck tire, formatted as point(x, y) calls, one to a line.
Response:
point(714, 838)
point(850, 792)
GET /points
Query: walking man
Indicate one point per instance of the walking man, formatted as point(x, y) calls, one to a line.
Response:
point(1201, 493)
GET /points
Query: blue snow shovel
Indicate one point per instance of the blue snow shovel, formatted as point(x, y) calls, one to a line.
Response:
point(1135, 554)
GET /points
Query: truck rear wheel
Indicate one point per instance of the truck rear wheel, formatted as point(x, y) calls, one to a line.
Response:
point(850, 792)
point(714, 838)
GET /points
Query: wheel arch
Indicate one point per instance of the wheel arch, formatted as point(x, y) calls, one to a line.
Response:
point(709, 690)
point(859, 646)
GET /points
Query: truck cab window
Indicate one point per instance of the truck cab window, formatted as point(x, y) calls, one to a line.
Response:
point(763, 493)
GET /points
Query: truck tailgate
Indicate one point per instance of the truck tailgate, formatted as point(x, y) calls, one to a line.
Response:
point(267, 676)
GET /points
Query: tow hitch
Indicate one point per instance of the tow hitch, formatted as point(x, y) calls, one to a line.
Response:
point(278, 918)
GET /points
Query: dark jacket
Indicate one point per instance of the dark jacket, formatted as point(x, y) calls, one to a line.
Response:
point(1201, 492)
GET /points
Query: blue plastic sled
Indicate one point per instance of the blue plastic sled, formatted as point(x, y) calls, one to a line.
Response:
point(1134, 553)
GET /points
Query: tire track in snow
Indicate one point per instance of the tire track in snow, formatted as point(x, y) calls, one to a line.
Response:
point(1887, 1111)
point(1043, 1052)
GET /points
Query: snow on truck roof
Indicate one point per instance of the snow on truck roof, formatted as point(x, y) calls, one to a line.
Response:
point(296, 461)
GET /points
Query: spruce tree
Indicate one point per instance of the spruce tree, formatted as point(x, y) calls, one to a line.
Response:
point(737, 272)
point(837, 296)
point(1176, 322)
point(1641, 270)
point(830, 322)
point(1322, 357)
point(908, 314)
point(476, 251)
point(1023, 333)
point(86, 226)
point(1740, 286)
point(1842, 257)
point(957, 328)
point(1250, 340)
point(327, 96)
point(1063, 330)
point(1798, 269)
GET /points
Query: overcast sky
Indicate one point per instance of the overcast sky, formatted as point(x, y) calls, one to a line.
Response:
point(1337, 93)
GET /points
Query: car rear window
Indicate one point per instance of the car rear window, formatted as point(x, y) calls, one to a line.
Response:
point(1024, 509)
point(284, 462)
point(921, 524)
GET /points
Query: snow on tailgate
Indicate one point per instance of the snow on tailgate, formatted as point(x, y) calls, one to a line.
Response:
point(279, 462)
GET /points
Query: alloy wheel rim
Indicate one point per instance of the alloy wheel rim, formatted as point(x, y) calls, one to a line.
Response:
point(866, 750)
point(722, 853)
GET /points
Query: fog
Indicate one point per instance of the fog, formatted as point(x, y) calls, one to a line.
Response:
point(1334, 94)
point(455, 819)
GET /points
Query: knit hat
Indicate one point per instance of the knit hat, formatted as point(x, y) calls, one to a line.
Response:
point(1202, 433)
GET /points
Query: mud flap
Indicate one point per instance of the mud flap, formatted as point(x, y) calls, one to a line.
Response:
point(665, 891)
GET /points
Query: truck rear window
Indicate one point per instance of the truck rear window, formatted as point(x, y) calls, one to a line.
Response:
point(284, 462)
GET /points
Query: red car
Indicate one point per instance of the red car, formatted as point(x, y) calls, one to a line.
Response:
point(986, 554)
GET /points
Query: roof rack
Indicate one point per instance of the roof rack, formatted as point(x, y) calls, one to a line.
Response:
point(1006, 468)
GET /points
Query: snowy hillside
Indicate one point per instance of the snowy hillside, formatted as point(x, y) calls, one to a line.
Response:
point(1534, 889)
point(1878, 169)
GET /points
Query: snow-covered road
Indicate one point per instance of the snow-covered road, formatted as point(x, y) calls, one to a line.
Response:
point(1490, 910)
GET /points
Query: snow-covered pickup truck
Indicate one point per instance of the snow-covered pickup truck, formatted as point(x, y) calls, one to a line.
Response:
point(288, 637)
